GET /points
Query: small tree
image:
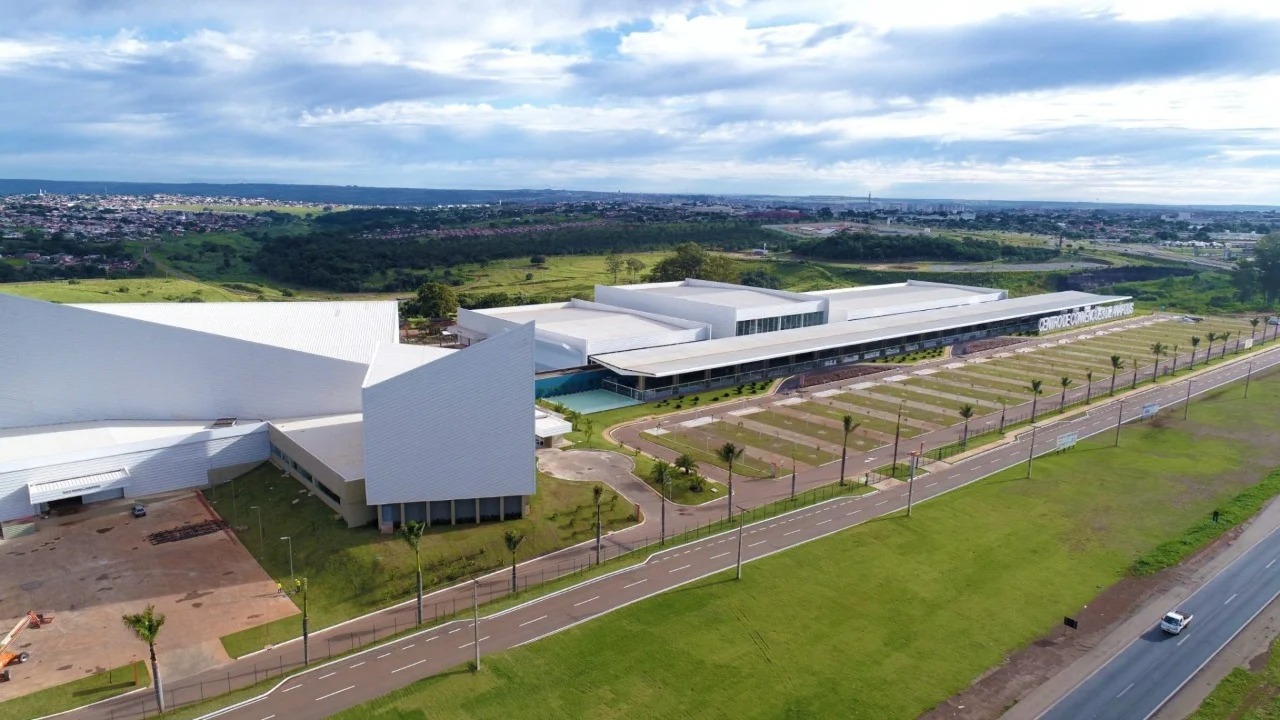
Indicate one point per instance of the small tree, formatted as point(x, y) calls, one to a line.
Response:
point(634, 266)
point(597, 493)
point(1065, 381)
point(613, 264)
point(1037, 387)
point(687, 464)
point(966, 412)
point(1224, 337)
point(849, 426)
point(411, 532)
point(1088, 390)
point(1208, 353)
point(435, 301)
point(729, 453)
point(1195, 344)
point(1157, 349)
point(538, 260)
point(1174, 355)
point(1117, 364)
point(146, 625)
point(1253, 327)
point(512, 539)
point(661, 474)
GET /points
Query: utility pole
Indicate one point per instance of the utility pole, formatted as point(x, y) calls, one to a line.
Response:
point(306, 645)
point(1186, 409)
point(1119, 420)
point(666, 489)
point(290, 539)
point(260, 538)
point(793, 472)
point(897, 433)
point(1247, 378)
point(475, 619)
point(911, 481)
point(1031, 454)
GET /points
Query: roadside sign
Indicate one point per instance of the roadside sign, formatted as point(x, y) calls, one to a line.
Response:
point(1070, 622)
point(1248, 344)
point(1067, 440)
point(1149, 410)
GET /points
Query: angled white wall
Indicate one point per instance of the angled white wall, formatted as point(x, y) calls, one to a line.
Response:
point(455, 428)
point(62, 364)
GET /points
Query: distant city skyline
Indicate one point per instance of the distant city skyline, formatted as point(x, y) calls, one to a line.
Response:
point(1148, 101)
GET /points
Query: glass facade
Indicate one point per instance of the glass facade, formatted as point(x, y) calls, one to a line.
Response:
point(784, 322)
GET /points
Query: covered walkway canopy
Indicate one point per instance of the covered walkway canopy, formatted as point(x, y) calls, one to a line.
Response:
point(674, 360)
point(74, 487)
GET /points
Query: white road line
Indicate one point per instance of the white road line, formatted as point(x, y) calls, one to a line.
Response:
point(793, 532)
point(716, 557)
point(406, 667)
point(757, 543)
point(406, 647)
point(295, 687)
point(931, 484)
point(530, 622)
point(1125, 690)
point(327, 676)
point(1183, 640)
point(336, 692)
point(1273, 562)
point(353, 667)
point(433, 637)
point(1233, 597)
point(454, 630)
point(268, 717)
point(382, 656)
point(824, 522)
point(486, 637)
point(855, 512)
point(881, 503)
point(584, 602)
point(624, 587)
point(682, 567)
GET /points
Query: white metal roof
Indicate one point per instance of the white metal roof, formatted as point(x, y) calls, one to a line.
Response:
point(58, 440)
point(885, 299)
point(589, 321)
point(343, 330)
point(725, 294)
point(335, 440)
point(723, 352)
point(547, 424)
point(73, 487)
point(394, 359)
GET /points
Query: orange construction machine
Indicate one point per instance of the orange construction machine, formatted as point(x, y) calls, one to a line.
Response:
point(7, 658)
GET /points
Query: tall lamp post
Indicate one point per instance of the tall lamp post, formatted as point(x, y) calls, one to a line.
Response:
point(742, 520)
point(290, 540)
point(1031, 454)
point(260, 538)
point(301, 587)
point(1247, 378)
point(897, 434)
point(1186, 407)
point(911, 478)
point(1119, 421)
point(475, 619)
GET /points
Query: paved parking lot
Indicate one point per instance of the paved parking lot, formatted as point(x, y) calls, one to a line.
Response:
point(98, 565)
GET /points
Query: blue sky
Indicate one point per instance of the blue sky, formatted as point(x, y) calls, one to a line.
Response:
point(1134, 100)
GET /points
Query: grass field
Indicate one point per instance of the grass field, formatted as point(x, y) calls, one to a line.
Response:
point(124, 291)
point(832, 628)
point(67, 696)
point(354, 571)
point(1246, 695)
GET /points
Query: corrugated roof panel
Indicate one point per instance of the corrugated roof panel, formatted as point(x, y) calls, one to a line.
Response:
point(73, 487)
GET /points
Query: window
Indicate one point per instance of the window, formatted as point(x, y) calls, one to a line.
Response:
point(328, 493)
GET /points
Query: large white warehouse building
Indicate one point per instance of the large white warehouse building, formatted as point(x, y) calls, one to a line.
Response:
point(130, 400)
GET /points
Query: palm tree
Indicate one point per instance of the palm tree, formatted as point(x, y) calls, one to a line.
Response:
point(1117, 365)
point(1174, 370)
point(1253, 327)
point(686, 463)
point(1065, 381)
point(1135, 373)
point(1195, 344)
point(1157, 350)
point(1224, 337)
point(1209, 352)
point(661, 476)
point(411, 533)
point(966, 412)
point(513, 540)
point(597, 492)
point(729, 453)
point(849, 426)
point(1088, 391)
point(1036, 388)
point(146, 625)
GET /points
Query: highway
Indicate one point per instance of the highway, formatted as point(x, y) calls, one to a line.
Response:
point(343, 683)
point(1138, 680)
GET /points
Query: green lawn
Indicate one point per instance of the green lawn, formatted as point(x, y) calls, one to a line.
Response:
point(67, 696)
point(869, 422)
point(745, 436)
point(124, 291)
point(865, 399)
point(683, 443)
point(1245, 695)
point(354, 571)
point(832, 628)
point(899, 471)
point(856, 441)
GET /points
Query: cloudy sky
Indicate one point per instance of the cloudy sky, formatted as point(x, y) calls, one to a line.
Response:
point(1131, 100)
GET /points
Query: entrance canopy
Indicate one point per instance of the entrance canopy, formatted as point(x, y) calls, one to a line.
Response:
point(73, 487)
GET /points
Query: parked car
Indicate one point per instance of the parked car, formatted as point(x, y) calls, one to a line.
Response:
point(139, 510)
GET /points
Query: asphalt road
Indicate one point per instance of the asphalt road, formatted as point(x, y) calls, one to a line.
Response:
point(1138, 680)
point(343, 683)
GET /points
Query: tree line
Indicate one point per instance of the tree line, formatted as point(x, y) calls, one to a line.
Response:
point(869, 247)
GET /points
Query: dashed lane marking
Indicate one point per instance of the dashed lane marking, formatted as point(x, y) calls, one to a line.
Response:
point(353, 667)
point(1125, 690)
point(295, 687)
point(824, 522)
point(327, 676)
point(1233, 597)
point(584, 602)
point(793, 532)
point(715, 557)
point(855, 512)
point(406, 667)
point(335, 692)
point(682, 567)
point(624, 587)
point(530, 622)
point(382, 656)
point(881, 503)
point(486, 637)
point(406, 647)
point(757, 543)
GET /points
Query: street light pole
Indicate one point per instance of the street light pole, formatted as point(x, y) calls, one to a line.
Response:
point(1247, 378)
point(1186, 409)
point(1031, 454)
point(666, 490)
point(290, 539)
point(741, 521)
point(306, 646)
point(793, 472)
point(475, 619)
point(260, 538)
point(897, 433)
point(1119, 420)
point(911, 480)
